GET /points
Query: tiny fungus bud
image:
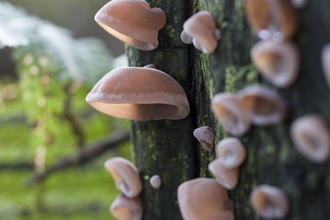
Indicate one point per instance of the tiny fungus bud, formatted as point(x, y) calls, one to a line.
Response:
point(231, 152)
point(264, 105)
point(133, 22)
point(139, 93)
point(230, 113)
point(299, 4)
point(204, 199)
point(155, 181)
point(201, 27)
point(124, 208)
point(205, 135)
point(311, 137)
point(126, 176)
point(277, 62)
point(228, 178)
point(275, 16)
point(269, 202)
point(326, 63)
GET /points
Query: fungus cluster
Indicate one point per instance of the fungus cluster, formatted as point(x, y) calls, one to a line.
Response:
point(258, 105)
point(127, 205)
point(231, 154)
point(200, 29)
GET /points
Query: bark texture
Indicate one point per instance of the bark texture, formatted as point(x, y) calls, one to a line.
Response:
point(169, 149)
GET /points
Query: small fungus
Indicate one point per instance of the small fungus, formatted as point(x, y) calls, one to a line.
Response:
point(311, 137)
point(139, 93)
point(231, 152)
point(264, 105)
point(155, 181)
point(230, 113)
point(228, 178)
point(125, 175)
point(124, 208)
point(186, 38)
point(326, 63)
point(279, 18)
point(204, 199)
point(299, 4)
point(133, 22)
point(277, 62)
point(269, 202)
point(205, 135)
point(201, 28)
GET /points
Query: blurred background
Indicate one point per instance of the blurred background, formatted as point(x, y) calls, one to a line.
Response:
point(52, 143)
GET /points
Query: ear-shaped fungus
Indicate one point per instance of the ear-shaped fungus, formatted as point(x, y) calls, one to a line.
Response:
point(279, 17)
point(269, 202)
point(125, 175)
point(133, 22)
point(326, 63)
point(124, 208)
point(264, 105)
point(205, 135)
point(277, 62)
point(204, 199)
point(231, 152)
point(228, 178)
point(311, 137)
point(201, 27)
point(139, 93)
point(230, 113)
point(155, 181)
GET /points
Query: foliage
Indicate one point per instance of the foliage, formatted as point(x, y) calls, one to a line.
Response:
point(44, 117)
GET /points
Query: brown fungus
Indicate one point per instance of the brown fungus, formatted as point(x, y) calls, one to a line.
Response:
point(205, 135)
point(230, 113)
point(264, 105)
point(155, 181)
point(228, 178)
point(201, 27)
point(133, 22)
point(124, 208)
point(311, 137)
point(272, 18)
point(269, 202)
point(139, 93)
point(204, 199)
point(125, 175)
point(231, 152)
point(277, 62)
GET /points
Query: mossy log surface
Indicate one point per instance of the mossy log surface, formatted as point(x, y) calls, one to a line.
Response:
point(169, 149)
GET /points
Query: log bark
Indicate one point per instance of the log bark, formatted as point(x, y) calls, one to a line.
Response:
point(168, 148)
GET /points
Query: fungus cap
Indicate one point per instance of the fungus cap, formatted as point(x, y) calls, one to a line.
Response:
point(230, 113)
point(231, 152)
point(125, 175)
point(228, 178)
point(133, 22)
point(279, 17)
point(139, 93)
point(124, 208)
point(205, 135)
point(204, 199)
point(326, 63)
point(201, 27)
point(155, 181)
point(277, 62)
point(311, 137)
point(264, 105)
point(269, 202)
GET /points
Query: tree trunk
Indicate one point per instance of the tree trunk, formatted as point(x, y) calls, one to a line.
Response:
point(169, 149)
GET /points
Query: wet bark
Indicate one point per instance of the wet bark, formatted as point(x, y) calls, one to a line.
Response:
point(168, 148)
